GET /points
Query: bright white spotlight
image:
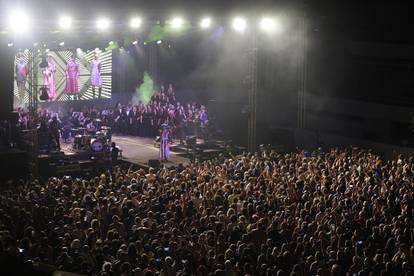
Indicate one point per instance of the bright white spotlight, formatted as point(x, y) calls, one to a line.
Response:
point(135, 42)
point(97, 50)
point(239, 24)
point(111, 43)
point(102, 24)
point(135, 23)
point(47, 50)
point(10, 44)
point(177, 22)
point(205, 23)
point(62, 43)
point(78, 50)
point(26, 50)
point(159, 42)
point(19, 22)
point(268, 24)
point(65, 22)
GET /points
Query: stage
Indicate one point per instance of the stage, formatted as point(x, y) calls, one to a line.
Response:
point(139, 150)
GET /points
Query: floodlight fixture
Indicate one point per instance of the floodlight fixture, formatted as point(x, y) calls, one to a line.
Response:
point(239, 24)
point(65, 22)
point(177, 22)
point(135, 22)
point(103, 24)
point(205, 23)
point(19, 22)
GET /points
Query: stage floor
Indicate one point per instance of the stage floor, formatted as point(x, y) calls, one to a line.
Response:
point(139, 150)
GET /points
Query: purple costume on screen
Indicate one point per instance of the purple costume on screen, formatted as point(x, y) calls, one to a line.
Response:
point(96, 79)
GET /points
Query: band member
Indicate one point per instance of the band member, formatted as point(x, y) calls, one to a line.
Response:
point(96, 80)
point(21, 76)
point(55, 126)
point(49, 77)
point(121, 119)
point(72, 75)
point(164, 143)
point(90, 127)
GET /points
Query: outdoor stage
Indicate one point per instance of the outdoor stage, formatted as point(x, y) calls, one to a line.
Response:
point(139, 150)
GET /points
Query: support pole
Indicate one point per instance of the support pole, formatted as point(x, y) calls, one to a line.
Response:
point(302, 72)
point(252, 121)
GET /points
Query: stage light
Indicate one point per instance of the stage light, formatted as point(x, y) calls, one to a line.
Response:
point(65, 22)
point(159, 42)
point(111, 42)
point(239, 24)
point(47, 50)
point(62, 43)
point(10, 44)
point(268, 24)
point(26, 50)
point(135, 23)
point(102, 24)
point(78, 50)
point(135, 42)
point(177, 22)
point(18, 22)
point(205, 23)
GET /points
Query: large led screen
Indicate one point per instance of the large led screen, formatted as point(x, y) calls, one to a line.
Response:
point(66, 75)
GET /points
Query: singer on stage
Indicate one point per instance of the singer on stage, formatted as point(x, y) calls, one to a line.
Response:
point(164, 143)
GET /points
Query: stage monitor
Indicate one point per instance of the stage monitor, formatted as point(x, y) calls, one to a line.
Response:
point(62, 75)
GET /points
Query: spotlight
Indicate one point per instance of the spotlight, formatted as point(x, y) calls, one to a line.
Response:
point(10, 44)
point(78, 50)
point(62, 43)
point(159, 42)
point(19, 22)
point(135, 42)
point(135, 23)
point(65, 22)
point(26, 50)
point(205, 23)
point(102, 24)
point(239, 24)
point(47, 50)
point(269, 25)
point(111, 42)
point(97, 50)
point(177, 22)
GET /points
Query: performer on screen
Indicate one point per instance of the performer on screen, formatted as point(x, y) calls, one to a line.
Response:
point(49, 77)
point(21, 76)
point(164, 143)
point(72, 75)
point(96, 80)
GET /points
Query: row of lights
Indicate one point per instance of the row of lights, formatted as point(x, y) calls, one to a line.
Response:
point(19, 22)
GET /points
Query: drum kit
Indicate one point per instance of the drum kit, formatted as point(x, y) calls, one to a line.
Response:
point(96, 142)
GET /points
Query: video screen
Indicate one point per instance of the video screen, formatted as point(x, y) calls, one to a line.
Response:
point(62, 75)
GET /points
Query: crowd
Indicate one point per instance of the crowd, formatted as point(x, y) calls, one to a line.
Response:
point(339, 212)
point(132, 119)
